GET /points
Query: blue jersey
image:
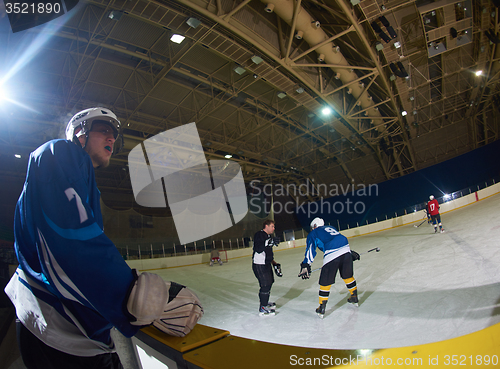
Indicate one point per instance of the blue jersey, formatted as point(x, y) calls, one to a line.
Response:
point(71, 284)
point(328, 240)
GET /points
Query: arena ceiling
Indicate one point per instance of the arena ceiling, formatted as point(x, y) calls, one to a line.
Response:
point(255, 76)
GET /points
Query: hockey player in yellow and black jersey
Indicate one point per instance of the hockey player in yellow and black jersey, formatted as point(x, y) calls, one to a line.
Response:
point(337, 256)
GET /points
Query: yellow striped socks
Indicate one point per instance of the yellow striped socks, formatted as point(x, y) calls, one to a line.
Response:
point(324, 292)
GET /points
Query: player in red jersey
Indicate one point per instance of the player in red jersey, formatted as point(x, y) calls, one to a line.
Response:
point(433, 210)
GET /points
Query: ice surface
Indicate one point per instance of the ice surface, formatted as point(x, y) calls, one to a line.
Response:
point(421, 287)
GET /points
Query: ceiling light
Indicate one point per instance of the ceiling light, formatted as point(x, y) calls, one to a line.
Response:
point(326, 111)
point(397, 44)
point(177, 38)
point(299, 89)
point(193, 22)
point(115, 15)
point(228, 156)
point(18, 156)
point(257, 59)
point(281, 94)
point(404, 113)
point(269, 8)
point(479, 73)
point(239, 70)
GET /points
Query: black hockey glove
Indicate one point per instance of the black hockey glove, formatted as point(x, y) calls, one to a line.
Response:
point(355, 255)
point(276, 241)
point(277, 270)
point(305, 271)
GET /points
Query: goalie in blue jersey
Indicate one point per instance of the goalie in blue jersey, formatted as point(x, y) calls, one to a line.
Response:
point(72, 285)
point(337, 256)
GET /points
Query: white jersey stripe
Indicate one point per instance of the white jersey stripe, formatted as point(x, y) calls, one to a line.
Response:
point(57, 273)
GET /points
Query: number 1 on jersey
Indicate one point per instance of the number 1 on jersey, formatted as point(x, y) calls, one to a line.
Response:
point(70, 194)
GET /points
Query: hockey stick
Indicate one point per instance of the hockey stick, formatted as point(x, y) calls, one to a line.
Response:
point(366, 252)
point(374, 249)
point(423, 221)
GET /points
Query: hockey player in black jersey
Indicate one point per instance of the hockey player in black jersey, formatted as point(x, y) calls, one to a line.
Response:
point(263, 264)
point(337, 256)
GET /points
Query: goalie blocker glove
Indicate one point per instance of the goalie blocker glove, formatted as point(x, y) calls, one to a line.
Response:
point(169, 306)
point(277, 270)
point(305, 271)
point(355, 255)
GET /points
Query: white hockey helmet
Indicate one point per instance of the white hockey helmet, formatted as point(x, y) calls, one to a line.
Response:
point(317, 222)
point(84, 119)
point(431, 197)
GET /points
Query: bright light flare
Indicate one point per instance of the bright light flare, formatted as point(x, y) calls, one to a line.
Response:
point(44, 34)
point(326, 111)
point(479, 73)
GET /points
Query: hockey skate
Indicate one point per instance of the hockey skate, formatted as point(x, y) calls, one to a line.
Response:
point(353, 299)
point(265, 311)
point(271, 306)
point(442, 230)
point(211, 263)
point(321, 310)
point(435, 230)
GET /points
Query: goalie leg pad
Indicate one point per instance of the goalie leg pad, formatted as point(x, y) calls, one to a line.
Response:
point(147, 298)
point(181, 313)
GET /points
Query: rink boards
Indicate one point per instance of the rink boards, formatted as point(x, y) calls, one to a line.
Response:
point(210, 348)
